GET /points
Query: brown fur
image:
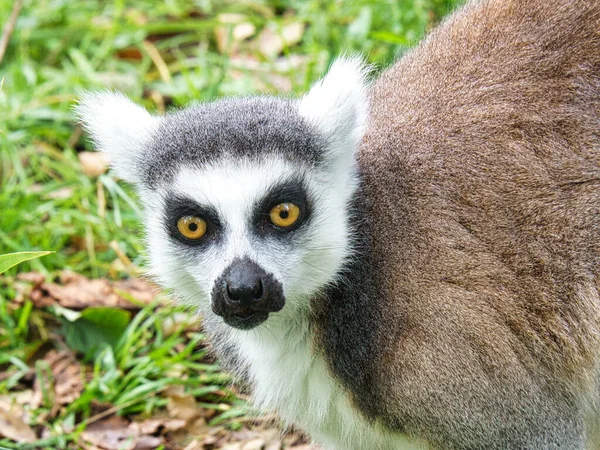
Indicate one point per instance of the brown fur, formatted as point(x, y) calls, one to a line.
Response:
point(482, 163)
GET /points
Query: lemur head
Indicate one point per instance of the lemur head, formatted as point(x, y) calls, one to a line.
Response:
point(245, 200)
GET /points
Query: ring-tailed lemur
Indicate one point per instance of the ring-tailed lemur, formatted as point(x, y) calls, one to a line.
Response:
point(413, 264)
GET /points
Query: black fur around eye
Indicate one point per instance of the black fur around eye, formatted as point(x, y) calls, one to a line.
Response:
point(191, 224)
point(284, 209)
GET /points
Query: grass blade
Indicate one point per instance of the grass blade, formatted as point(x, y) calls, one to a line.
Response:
point(12, 259)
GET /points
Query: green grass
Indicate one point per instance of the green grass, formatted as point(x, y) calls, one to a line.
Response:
point(62, 48)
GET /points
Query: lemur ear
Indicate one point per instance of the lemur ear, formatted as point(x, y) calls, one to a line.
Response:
point(119, 128)
point(337, 105)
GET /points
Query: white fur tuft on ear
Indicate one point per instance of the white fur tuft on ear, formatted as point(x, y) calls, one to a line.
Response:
point(337, 105)
point(118, 127)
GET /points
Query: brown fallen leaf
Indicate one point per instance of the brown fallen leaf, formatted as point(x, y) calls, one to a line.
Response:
point(176, 424)
point(272, 40)
point(148, 442)
point(196, 444)
point(93, 164)
point(292, 32)
point(79, 292)
point(233, 446)
point(116, 433)
point(270, 438)
point(132, 53)
point(12, 425)
point(154, 425)
point(31, 277)
point(68, 379)
point(183, 407)
point(149, 426)
point(60, 194)
point(63, 385)
point(141, 290)
point(234, 29)
point(24, 285)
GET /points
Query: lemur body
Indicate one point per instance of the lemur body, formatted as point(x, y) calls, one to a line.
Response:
point(411, 265)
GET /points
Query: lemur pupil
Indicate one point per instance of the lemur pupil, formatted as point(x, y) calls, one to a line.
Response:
point(284, 214)
point(193, 226)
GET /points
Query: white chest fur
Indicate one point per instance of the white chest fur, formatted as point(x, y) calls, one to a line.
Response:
point(291, 379)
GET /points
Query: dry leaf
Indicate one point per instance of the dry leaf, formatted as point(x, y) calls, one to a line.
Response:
point(195, 445)
point(116, 433)
point(93, 164)
point(60, 194)
point(79, 292)
point(152, 426)
point(292, 33)
point(148, 442)
point(176, 424)
point(183, 407)
point(269, 43)
point(68, 382)
point(65, 383)
point(26, 283)
point(149, 426)
point(234, 29)
point(83, 293)
point(268, 438)
point(141, 290)
point(13, 427)
point(112, 433)
point(255, 444)
point(232, 446)
point(197, 427)
point(31, 277)
point(271, 40)
point(275, 445)
point(132, 53)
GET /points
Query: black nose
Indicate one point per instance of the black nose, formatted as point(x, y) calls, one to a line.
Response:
point(244, 288)
point(244, 295)
point(244, 283)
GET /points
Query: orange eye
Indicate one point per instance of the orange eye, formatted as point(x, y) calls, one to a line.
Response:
point(284, 215)
point(191, 227)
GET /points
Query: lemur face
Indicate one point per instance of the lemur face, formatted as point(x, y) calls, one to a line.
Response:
point(245, 200)
point(244, 236)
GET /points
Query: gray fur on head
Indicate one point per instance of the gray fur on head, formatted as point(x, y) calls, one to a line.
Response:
point(255, 127)
point(149, 150)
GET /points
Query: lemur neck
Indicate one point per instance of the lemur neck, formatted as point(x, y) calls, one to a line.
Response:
point(344, 317)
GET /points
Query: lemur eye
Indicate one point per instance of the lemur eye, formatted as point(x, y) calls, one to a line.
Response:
point(191, 227)
point(284, 215)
